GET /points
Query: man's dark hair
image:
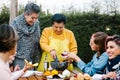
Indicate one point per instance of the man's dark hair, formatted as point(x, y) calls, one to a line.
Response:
point(31, 8)
point(58, 18)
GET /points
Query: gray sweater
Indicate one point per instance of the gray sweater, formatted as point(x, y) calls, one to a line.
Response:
point(28, 42)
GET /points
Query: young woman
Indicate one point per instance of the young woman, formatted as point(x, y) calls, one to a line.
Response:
point(99, 60)
point(113, 67)
point(8, 44)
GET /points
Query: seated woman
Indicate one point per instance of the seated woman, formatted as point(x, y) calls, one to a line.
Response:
point(8, 44)
point(99, 60)
point(113, 67)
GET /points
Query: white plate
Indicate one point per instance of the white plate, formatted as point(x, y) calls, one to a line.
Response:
point(31, 73)
point(37, 73)
point(28, 73)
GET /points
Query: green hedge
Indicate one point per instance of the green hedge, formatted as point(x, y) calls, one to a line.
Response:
point(4, 15)
point(82, 24)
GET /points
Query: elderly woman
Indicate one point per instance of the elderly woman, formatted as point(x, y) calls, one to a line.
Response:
point(99, 60)
point(27, 26)
point(56, 39)
point(113, 67)
point(8, 44)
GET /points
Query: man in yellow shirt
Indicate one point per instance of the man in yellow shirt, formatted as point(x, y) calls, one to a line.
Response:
point(55, 40)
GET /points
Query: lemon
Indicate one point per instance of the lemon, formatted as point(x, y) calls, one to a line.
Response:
point(47, 73)
point(54, 72)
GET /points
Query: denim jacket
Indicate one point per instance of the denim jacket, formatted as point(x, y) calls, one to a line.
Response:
point(96, 65)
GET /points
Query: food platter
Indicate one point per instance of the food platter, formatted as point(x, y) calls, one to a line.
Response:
point(56, 75)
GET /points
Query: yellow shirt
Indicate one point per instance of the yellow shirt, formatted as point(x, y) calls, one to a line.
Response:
point(48, 32)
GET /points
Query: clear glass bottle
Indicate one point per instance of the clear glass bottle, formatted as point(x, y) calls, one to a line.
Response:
point(46, 64)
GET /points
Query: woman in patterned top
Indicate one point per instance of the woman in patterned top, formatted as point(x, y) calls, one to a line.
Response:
point(27, 26)
point(113, 67)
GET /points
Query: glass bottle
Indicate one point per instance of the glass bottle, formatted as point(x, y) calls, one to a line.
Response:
point(46, 64)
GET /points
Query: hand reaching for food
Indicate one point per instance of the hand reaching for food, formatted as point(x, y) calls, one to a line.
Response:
point(73, 56)
point(29, 65)
point(53, 53)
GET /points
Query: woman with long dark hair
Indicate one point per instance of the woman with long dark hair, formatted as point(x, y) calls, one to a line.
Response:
point(99, 60)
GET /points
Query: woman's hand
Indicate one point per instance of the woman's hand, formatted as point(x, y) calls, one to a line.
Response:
point(53, 53)
point(17, 68)
point(111, 75)
point(73, 56)
point(26, 67)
